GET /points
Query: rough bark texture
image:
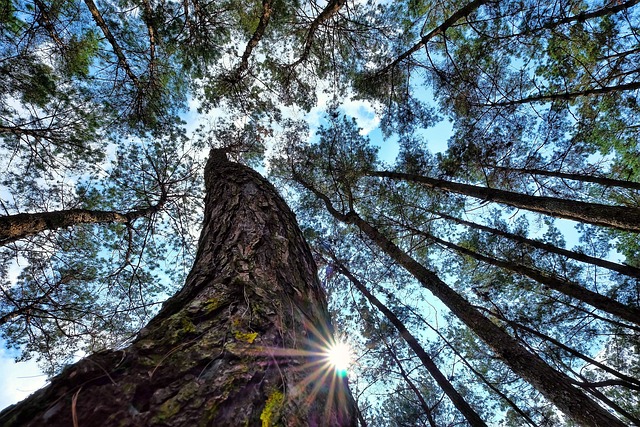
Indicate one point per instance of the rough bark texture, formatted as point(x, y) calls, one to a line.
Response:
point(231, 348)
point(623, 218)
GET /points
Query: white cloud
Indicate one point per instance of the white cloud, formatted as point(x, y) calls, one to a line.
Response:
point(364, 113)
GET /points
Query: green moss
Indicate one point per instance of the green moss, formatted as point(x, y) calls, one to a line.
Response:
point(176, 326)
point(151, 360)
point(246, 336)
point(209, 413)
point(128, 389)
point(211, 305)
point(272, 408)
point(167, 410)
point(187, 325)
point(172, 406)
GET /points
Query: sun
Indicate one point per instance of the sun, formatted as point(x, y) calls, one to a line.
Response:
point(339, 356)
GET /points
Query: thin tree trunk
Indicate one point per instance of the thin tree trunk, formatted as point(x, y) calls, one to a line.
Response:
point(405, 376)
point(600, 180)
point(19, 226)
point(153, 42)
point(566, 287)
point(612, 8)
point(555, 386)
point(598, 262)
point(623, 218)
point(117, 50)
point(488, 383)
point(446, 24)
point(566, 96)
point(332, 7)
point(238, 73)
point(237, 345)
point(629, 382)
point(458, 401)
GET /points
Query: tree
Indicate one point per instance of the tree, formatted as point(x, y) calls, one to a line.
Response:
point(333, 171)
point(458, 401)
point(624, 218)
point(241, 342)
point(463, 248)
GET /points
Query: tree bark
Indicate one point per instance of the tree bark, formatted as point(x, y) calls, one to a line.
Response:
point(623, 218)
point(19, 226)
point(598, 262)
point(566, 287)
point(554, 385)
point(239, 344)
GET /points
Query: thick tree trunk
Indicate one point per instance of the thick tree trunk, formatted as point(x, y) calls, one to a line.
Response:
point(623, 218)
point(239, 344)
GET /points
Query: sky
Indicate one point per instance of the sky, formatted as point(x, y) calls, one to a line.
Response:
point(18, 380)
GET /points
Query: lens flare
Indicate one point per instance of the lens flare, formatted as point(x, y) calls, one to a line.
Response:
point(340, 356)
point(328, 357)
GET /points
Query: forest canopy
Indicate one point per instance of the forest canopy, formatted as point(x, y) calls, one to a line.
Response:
point(494, 281)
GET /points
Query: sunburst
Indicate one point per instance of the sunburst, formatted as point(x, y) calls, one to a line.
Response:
point(327, 361)
point(339, 356)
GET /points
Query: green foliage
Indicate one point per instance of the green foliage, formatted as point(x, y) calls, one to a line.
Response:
point(10, 22)
point(80, 53)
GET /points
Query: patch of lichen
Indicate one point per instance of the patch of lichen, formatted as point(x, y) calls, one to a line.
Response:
point(247, 337)
point(171, 407)
point(166, 411)
point(187, 325)
point(175, 327)
point(241, 333)
point(211, 305)
point(272, 408)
